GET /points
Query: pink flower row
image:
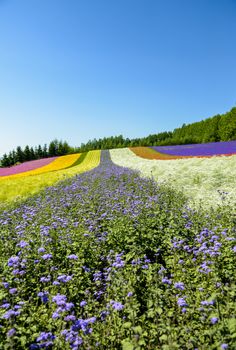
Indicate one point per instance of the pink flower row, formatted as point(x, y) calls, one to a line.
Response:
point(21, 168)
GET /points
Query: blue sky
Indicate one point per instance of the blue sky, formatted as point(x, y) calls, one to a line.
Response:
point(84, 69)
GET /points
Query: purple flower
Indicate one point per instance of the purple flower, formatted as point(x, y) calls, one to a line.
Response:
point(59, 299)
point(5, 306)
point(165, 280)
point(56, 283)
point(116, 305)
point(10, 313)
point(22, 244)
point(181, 302)
point(41, 250)
point(43, 296)
point(129, 294)
point(72, 257)
point(45, 279)
point(55, 315)
point(45, 336)
point(13, 290)
point(214, 320)
point(64, 278)
point(69, 318)
point(11, 332)
point(13, 261)
point(46, 256)
point(83, 303)
point(145, 267)
point(179, 285)
point(234, 249)
point(5, 285)
point(224, 346)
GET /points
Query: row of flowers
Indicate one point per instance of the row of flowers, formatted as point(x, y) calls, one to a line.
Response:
point(57, 163)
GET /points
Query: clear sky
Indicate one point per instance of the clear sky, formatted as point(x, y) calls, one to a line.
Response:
point(83, 69)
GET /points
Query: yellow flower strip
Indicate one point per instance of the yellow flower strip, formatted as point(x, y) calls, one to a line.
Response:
point(57, 164)
point(14, 189)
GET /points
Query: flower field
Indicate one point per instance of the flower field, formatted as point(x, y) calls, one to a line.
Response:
point(201, 149)
point(58, 163)
point(150, 153)
point(16, 187)
point(27, 166)
point(109, 260)
point(208, 181)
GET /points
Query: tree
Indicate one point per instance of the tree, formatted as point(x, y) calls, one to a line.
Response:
point(19, 155)
point(27, 153)
point(53, 148)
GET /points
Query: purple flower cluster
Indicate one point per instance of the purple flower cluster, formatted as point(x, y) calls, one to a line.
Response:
point(200, 149)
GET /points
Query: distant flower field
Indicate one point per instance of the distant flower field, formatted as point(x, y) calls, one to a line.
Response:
point(209, 181)
point(58, 163)
point(16, 187)
point(201, 149)
point(27, 166)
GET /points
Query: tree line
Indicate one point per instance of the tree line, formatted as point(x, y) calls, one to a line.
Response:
point(19, 155)
point(217, 128)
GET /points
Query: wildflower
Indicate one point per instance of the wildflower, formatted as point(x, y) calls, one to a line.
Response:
point(129, 294)
point(165, 280)
point(45, 336)
point(181, 302)
point(22, 244)
point(46, 256)
point(83, 303)
point(10, 313)
point(116, 305)
point(224, 346)
point(64, 278)
point(41, 250)
point(72, 257)
point(179, 285)
point(13, 261)
point(43, 296)
point(11, 332)
point(145, 267)
point(13, 290)
point(59, 299)
point(5, 306)
point(69, 318)
point(214, 320)
point(45, 279)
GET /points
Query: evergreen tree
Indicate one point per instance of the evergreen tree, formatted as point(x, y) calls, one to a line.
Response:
point(19, 155)
point(27, 153)
point(53, 148)
point(5, 161)
point(45, 151)
point(32, 153)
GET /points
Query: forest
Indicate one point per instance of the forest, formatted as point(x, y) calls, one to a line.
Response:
point(221, 127)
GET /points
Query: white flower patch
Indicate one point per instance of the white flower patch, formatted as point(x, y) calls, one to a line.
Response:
point(211, 181)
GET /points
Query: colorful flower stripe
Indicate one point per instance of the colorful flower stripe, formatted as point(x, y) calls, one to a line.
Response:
point(201, 149)
point(14, 189)
point(149, 153)
point(27, 166)
point(58, 164)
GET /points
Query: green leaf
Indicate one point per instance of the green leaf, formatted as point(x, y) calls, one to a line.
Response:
point(126, 345)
